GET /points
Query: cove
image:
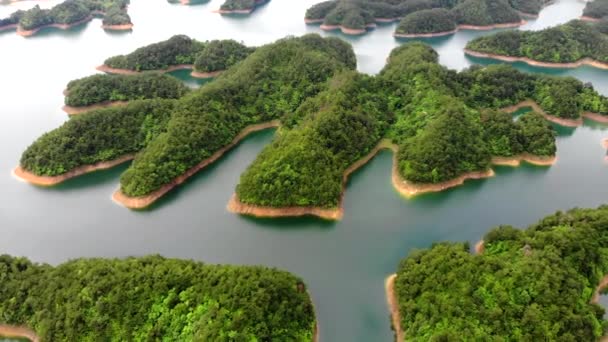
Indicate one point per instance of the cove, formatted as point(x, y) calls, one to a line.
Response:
point(343, 263)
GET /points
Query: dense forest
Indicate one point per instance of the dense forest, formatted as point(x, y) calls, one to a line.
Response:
point(445, 123)
point(527, 285)
point(103, 88)
point(358, 15)
point(70, 12)
point(152, 298)
point(216, 55)
point(564, 43)
point(241, 5)
point(596, 9)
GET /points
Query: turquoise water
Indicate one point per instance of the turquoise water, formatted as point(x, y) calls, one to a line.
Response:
point(344, 263)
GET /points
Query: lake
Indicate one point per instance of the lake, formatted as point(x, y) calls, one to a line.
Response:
point(344, 263)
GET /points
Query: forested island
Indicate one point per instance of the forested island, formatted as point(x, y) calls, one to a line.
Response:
point(98, 91)
point(444, 126)
point(206, 59)
point(421, 18)
point(537, 284)
point(240, 6)
point(564, 46)
point(68, 14)
point(152, 298)
point(595, 10)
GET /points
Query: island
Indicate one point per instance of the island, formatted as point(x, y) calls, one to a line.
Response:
point(424, 18)
point(240, 6)
point(206, 59)
point(540, 283)
point(68, 14)
point(568, 45)
point(102, 90)
point(595, 10)
point(443, 126)
point(152, 297)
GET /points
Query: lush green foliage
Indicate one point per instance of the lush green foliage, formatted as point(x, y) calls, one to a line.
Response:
point(220, 55)
point(210, 56)
point(305, 164)
point(531, 7)
point(236, 5)
point(97, 136)
point(565, 43)
point(596, 9)
point(320, 10)
point(271, 82)
point(427, 21)
point(485, 12)
point(530, 285)
point(70, 12)
point(176, 50)
point(102, 88)
point(152, 299)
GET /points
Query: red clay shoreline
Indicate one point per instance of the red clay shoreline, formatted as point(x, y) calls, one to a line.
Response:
point(393, 307)
point(118, 27)
point(145, 201)
point(28, 33)
point(19, 332)
point(70, 110)
point(32, 178)
point(346, 30)
point(560, 121)
point(196, 74)
point(585, 61)
point(590, 19)
point(458, 28)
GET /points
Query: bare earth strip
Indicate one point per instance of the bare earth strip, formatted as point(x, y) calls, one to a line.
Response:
point(196, 74)
point(458, 28)
point(29, 177)
point(79, 110)
point(570, 65)
point(393, 307)
point(145, 201)
point(21, 332)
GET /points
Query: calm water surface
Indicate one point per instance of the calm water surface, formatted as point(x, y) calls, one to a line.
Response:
point(343, 263)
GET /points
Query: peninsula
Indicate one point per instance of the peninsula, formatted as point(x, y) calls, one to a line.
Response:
point(492, 294)
point(444, 127)
point(425, 18)
point(568, 45)
point(206, 59)
point(68, 14)
point(240, 6)
point(595, 10)
point(174, 299)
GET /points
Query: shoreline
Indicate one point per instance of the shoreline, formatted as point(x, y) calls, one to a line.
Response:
point(237, 207)
point(346, 30)
point(19, 332)
point(79, 110)
point(525, 157)
point(211, 74)
point(28, 177)
point(569, 65)
point(393, 307)
point(145, 201)
point(590, 19)
point(118, 27)
point(596, 294)
point(195, 74)
point(9, 27)
point(605, 143)
point(480, 247)
point(29, 33)
point(560, 121)
point(458, 28)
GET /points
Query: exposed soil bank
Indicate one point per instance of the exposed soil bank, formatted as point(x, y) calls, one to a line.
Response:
point(479, 247)
point(28, 33)
point(313, 21)
point(560, 121)
point(526, 157)
point(590, 19)
point(117, 71)
point(570, 65)
point(602, 285)
point(79, 110)
point(393, 307)
point(121, 27)
point(8, 27)
point(238, 207)
point(605, 143)
point(458, 28)
point(20, 332)
point(29, 177)
point(212, 74)
point(346, 30)
point(144, 201)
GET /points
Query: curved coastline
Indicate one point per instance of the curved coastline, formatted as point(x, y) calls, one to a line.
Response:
point(28, 177)
point(458, 28)
point(19, 332)
point(29, 33)
point(393, 306)
point(70, 110)
point(480, 247)
point(8, 27)
point(590, 19)
point(596, 294)
point(346, 30)
point(585, 61)
point(145, 201)
point(525, 157)
point(560, 121)
point(194, 73)
point(118, 27)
